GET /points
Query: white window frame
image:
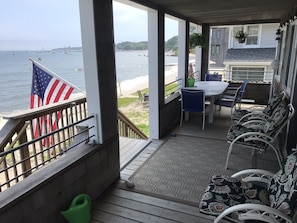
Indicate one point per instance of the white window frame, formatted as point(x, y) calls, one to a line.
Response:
point(289, 53)
point(250, 35)
point(245, 29)
point(248, 67)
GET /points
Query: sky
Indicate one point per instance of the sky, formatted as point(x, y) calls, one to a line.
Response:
point(48, 24)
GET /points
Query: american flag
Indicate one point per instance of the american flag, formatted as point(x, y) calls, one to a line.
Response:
point(47, 88)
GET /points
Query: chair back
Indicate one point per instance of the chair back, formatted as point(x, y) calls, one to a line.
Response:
point(193, 100)
point(283, 187)
point(213, 77)
point(140, 95)
point(242, 88)
point(280, 117)
point(273, 103)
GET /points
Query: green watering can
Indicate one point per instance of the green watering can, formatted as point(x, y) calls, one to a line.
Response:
point(79, 210)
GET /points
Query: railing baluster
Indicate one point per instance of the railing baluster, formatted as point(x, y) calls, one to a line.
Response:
point(30, 139)
point(64, 112)
point(33, 145)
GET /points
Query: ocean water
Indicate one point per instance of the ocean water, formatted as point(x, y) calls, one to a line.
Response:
point(16, 72)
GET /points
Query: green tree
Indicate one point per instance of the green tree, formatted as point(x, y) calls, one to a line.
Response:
point(196, 39)
point(171, 44)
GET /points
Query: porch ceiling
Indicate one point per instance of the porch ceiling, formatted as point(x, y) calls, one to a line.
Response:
point(225, 12)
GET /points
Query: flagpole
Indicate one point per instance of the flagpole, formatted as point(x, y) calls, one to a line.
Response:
point(55, 75)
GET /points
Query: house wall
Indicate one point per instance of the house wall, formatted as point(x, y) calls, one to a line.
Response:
point(219, 45)
point(43, 195)
point(266, 37)
point(169, 116)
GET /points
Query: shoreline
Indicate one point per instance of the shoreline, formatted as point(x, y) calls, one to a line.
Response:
point(124, 89)
point(128, 87)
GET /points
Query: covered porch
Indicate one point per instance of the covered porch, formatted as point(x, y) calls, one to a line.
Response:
point(148, 201)
point(95, 169)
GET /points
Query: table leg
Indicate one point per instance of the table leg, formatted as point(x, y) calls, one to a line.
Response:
point(186, 116)
point(211, 109)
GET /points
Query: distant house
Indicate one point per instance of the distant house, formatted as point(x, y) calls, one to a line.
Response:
point(249, 60)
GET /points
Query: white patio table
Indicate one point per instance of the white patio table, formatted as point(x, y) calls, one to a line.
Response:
point(212, 89)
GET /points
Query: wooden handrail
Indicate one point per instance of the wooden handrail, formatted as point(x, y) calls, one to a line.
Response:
point(128, 129)
point(21, 154)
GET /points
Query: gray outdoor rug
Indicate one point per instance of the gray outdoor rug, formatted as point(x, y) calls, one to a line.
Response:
point(181, 168)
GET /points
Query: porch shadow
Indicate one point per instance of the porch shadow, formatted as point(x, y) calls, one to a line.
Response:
point(170, 175)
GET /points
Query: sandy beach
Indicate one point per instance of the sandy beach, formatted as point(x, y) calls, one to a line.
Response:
point(129, 87)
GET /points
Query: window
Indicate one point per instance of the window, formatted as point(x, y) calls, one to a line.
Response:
point(248, 73)
point(253, 36)
point(218, 49)
point(215, 49)
point(218, 34)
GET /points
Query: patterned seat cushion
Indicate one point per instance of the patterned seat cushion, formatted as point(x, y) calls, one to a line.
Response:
point(279, 116)
point(224, 192)
point(283, 187)
point(270, 128)
point(268, 110)
point(237, 130)
point(238, 113)
point(272, 104)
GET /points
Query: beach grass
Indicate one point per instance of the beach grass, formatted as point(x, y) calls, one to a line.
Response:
point(122, 102)
point(140, 119)
point(137, 113)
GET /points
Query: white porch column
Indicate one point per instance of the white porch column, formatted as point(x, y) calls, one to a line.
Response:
point(198, 58)
point(153, 73)
point(182, 50)
point(198, 52)
point(90, 65)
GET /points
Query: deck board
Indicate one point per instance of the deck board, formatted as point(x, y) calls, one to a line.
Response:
point(133, 207)
point(122, 206)
point(129, 148)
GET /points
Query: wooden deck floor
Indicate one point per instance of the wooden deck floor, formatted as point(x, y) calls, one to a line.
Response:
point(129, 149)
point(121, 206)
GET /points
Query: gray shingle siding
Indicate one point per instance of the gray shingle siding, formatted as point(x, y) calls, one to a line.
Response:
point(250, 55)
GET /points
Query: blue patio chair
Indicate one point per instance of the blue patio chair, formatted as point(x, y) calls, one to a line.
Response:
point(242, 90)
point(229, 99)
point(193, 101)
point(213, 77)
point(232, 96)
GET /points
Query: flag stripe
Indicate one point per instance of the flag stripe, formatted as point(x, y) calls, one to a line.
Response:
point(67, 95)
point(47, 89)
point(51, 90)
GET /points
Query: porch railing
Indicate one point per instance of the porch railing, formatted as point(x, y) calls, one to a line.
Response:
point(252, 76)
point(63, 127)
point(172, 87)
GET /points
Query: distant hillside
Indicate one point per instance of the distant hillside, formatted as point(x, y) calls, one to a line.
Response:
point(170, 45)
point(68, 49)
point(143, 45)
